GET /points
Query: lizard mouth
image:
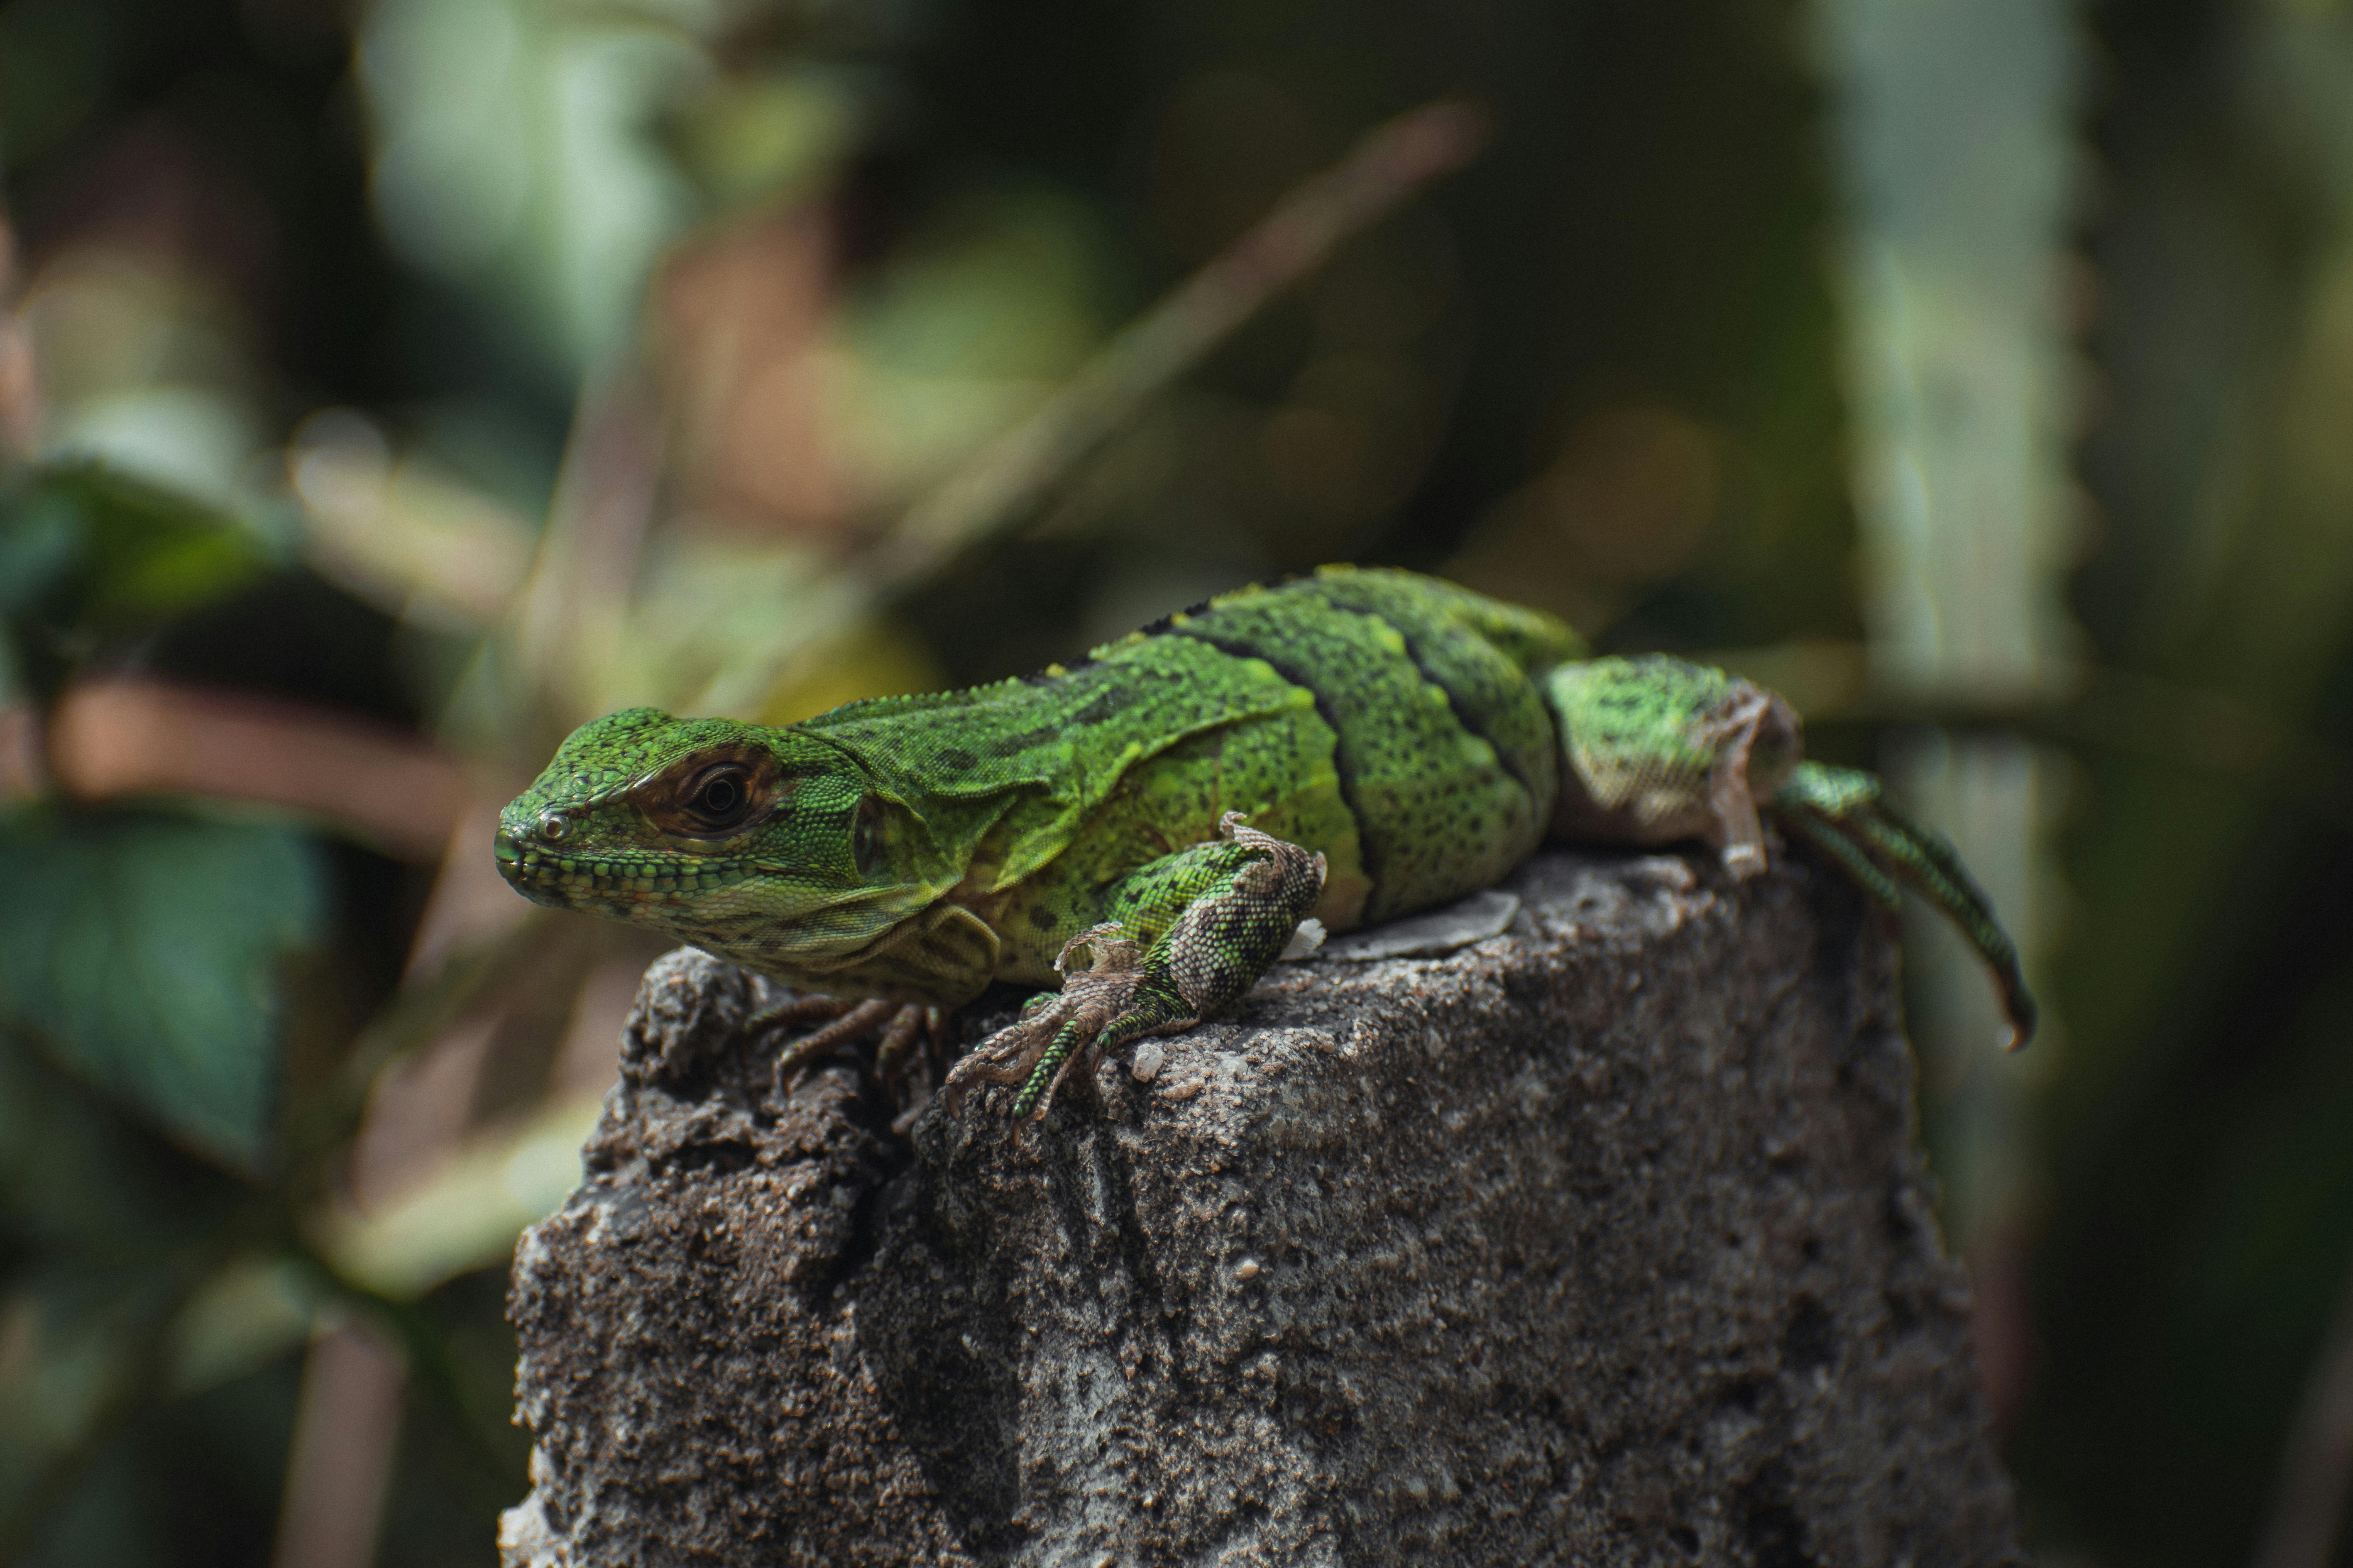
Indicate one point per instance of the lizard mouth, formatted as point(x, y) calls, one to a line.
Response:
point(549, 876)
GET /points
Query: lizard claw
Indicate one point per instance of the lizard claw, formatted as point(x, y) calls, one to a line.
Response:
point(1214, 952)
point(1039, 1049)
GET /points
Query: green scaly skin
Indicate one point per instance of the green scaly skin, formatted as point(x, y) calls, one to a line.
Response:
point(1407, 740)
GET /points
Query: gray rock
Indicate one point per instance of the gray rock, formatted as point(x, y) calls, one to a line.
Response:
point(1431, 935)
point(1603, 1242)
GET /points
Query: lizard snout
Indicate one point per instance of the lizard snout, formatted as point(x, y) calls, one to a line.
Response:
point(530, 874)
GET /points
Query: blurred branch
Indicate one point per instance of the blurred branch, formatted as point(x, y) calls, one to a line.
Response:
point(568, 616)
point(465, 1214)
point(347, 1435)
point(424, 1352)
point(20, 392)
point(333, 1506)
point(341, 1457)
point(2194, 729)
point(1305, 227)
point(400, 534)
point(129, 737)
point(1006, 478)
point(422, 1010)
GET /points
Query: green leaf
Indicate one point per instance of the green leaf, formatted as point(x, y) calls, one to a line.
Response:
point(143, 948)
point(90, 557)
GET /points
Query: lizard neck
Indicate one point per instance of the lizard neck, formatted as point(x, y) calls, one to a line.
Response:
point(943, 956)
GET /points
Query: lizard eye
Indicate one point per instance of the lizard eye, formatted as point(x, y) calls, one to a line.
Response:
point(720, 797)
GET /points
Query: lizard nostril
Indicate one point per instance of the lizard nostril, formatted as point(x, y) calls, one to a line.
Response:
point(553, 827)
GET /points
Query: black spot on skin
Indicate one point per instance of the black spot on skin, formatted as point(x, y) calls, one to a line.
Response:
point(1041, 916)
point(956, 758)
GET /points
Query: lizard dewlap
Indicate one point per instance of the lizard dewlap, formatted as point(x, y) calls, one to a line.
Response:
point(1350, 746)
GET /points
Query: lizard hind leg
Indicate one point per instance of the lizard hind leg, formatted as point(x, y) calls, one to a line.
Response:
point(1753, 725)
point(1655, 749)
point(1844, 812)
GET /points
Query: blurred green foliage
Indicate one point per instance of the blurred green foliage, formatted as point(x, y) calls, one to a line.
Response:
point(93, 559)
point(141, 944)
point(145, 948)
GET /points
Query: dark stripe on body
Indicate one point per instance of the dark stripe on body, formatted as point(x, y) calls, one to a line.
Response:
point(1167, 623)
point(1344, 768)
point(1454, 702)
point(1249, 590)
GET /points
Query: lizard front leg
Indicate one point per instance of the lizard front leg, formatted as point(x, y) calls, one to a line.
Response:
point(1235, 902)
point(893, 1028)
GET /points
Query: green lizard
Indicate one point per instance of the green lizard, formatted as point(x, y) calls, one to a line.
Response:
point(1346, 747)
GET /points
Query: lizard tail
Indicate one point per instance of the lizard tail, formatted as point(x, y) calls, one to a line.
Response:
point(1844, 813)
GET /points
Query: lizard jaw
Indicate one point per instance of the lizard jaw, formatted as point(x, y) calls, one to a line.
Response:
point(568, 880)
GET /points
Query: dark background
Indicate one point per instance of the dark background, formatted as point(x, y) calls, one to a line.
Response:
point(327, 323)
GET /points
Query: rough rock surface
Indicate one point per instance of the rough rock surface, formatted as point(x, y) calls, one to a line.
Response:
point(1602, 1241)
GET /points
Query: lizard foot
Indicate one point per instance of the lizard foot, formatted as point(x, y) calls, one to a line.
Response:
point(1098, 1007)
point(1659, 749)
point(1842, 812)
point(894, 1026)
point(1245, 894)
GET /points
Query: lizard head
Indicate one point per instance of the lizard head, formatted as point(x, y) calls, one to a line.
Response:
point(770, 847)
